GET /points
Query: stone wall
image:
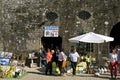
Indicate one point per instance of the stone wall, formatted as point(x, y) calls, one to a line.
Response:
point(22, 20)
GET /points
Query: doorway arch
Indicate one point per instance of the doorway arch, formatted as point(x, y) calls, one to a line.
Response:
point(51, 42)
point(115, 32)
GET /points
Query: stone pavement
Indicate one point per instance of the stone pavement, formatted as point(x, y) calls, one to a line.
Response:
point(38, 74)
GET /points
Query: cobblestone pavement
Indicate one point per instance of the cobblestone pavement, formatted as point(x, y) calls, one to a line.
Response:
point(37, 74)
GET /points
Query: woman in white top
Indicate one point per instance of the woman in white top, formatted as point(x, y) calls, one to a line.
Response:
point(74, 58)
point(113, 62)
point(61, 58)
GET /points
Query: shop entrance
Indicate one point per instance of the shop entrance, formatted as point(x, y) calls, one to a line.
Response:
point(115, 32)
point(52, 42)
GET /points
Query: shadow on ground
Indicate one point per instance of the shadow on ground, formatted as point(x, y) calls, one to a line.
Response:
point(102, 77)
point(41, 71)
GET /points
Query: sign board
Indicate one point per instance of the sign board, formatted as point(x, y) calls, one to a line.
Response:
point(51, 31)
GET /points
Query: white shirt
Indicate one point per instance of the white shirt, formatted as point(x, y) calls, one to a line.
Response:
point(113, 57)
point(60, 56)
point(74, 56)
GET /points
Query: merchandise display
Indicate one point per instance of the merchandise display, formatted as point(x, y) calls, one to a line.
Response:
point(11, 72)
point(10, 67)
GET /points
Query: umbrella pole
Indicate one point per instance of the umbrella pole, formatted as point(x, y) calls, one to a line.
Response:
point(90, 54)
point(98, 56)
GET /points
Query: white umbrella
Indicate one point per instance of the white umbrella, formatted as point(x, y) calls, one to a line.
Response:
point(91, 38)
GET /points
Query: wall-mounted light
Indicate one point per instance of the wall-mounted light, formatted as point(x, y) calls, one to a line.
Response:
point(106, 25)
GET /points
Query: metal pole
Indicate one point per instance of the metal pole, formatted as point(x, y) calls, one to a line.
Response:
point(40, 52)
point(98, 56)
point(90, 54)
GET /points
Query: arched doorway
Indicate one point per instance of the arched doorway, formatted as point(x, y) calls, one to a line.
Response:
point(52, 42)
point(115, 32)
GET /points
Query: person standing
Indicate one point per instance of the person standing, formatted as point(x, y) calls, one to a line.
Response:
point(113, 63)
point(61, 58)
point(43, 55)
point(74, 58)
point(88, 63)
point(54, 56)
point(49, 62)
point(118, 53)
point(57, 51)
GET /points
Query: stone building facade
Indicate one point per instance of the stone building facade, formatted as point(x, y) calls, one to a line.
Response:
point(22, 21)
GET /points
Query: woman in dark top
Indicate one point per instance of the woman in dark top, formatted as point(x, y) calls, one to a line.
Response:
point(54, 58)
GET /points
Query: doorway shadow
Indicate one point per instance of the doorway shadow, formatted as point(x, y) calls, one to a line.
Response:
point(51, 42)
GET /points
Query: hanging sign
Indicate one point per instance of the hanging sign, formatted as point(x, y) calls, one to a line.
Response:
point(51, 31)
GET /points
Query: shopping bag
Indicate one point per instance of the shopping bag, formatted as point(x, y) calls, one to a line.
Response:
point(63, 64)
point(57, 70)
